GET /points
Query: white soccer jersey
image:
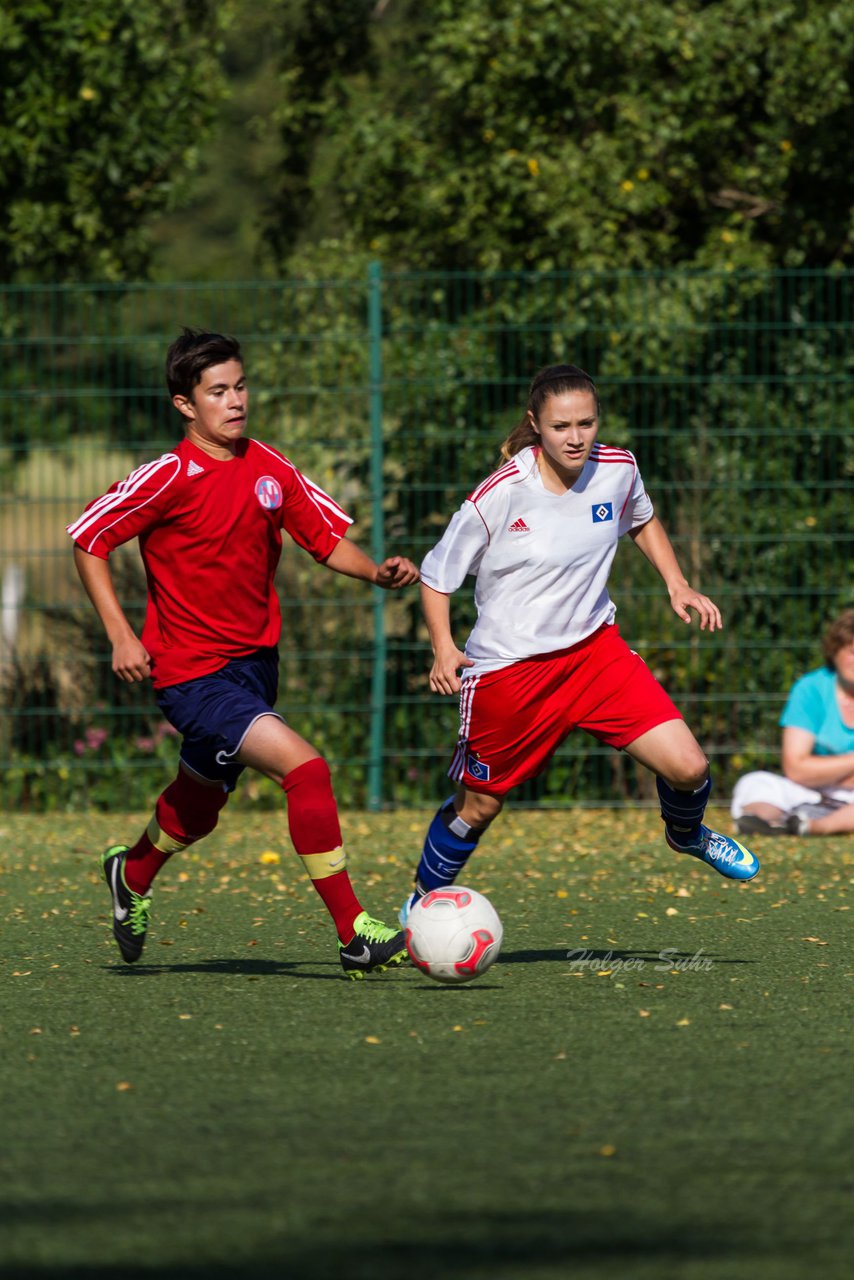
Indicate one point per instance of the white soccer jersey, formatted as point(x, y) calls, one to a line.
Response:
point(541, 559)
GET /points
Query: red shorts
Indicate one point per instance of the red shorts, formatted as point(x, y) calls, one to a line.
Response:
point(513, 720)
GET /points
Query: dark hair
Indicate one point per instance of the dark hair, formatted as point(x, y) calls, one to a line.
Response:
point(554, 380)
point(839, 634)
point(192, 353)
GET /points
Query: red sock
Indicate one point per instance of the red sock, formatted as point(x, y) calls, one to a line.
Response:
point(142, 864)
point(316, 835)
point(185, 812)
point(337, 894)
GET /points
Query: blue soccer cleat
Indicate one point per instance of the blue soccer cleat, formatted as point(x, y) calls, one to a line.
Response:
point(723, 853)
point(408, 904)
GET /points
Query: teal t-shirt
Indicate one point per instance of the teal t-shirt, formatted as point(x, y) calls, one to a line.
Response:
point(812, 705)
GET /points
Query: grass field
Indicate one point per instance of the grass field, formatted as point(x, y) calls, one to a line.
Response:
point(671, 1100)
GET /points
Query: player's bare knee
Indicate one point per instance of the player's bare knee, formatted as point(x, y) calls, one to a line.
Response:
point(479, 810)
point(688, 774)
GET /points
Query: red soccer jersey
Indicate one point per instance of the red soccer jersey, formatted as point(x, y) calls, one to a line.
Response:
point(210, 537)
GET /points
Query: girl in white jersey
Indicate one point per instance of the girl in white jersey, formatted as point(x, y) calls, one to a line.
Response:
point(545, 655)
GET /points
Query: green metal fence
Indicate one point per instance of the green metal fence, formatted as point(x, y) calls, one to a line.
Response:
point(394, 391)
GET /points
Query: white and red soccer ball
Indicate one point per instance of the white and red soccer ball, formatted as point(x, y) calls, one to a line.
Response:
point(453, 934)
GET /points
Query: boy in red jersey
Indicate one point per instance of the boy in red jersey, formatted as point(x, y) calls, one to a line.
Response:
point(209, 517)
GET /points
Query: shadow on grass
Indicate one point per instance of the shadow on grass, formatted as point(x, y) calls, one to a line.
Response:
point(667, 957)
point(497, 1244)
point(329, 971)
point(290, 969)
point(225, 968)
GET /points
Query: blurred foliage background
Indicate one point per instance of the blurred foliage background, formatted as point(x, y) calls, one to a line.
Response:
point(200, 140)
point(402, 209)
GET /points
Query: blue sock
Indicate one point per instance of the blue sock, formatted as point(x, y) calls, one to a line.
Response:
point(683, 811)
point(447, 847)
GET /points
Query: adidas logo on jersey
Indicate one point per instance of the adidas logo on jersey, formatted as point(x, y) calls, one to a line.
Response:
point(518, 526)
point(193, 468)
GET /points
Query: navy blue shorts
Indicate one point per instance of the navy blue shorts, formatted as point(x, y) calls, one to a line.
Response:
point(215, 713)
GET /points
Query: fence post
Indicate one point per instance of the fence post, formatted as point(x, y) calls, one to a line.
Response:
point(375, 396)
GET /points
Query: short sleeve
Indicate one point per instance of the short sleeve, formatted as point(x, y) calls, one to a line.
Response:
point(804, 707)
point(637, 509)
point(458, 552)
point(313, 519)
point(129, 508)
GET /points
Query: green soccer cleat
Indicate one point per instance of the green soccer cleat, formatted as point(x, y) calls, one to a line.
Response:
point(130, 910)
point(374, 949)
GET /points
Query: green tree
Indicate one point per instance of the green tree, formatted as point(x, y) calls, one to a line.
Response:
point(104, 107)
point(508, 134)
point(323, 48)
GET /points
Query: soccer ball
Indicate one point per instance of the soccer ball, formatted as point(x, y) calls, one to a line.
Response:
point(453, 934)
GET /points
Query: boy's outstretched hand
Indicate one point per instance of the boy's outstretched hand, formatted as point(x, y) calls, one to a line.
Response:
point(396, 572)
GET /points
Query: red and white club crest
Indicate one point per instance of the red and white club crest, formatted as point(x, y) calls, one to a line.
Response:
point(268, 491)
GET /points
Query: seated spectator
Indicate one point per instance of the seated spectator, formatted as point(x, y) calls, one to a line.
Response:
point(815, 794)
